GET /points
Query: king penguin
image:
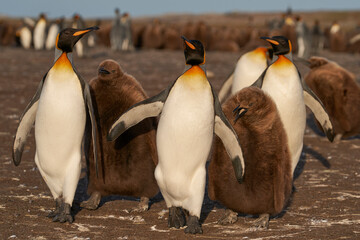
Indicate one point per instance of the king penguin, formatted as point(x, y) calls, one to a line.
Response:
point(190, 113)
point(59, 112)
point(247, 70)
point(40, 33)
point(283, 82)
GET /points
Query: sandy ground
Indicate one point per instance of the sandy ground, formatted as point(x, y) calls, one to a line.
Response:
point(325, 205)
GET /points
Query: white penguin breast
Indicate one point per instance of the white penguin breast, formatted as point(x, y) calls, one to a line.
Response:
point(60, 119)
point(185, 131)
point(286, 90)
point(247, 71)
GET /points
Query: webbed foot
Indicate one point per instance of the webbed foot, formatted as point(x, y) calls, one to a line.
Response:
point(142, 206)
point(229, 217)
point(93, 202)
point(193, 225)
point(262, 222)
point(176, 217)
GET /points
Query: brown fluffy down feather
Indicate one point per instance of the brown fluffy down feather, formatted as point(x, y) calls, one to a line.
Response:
point(337, 89)
point(267, 181)
point(126, 165)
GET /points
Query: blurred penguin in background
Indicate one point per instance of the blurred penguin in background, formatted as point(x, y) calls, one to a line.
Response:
point(317, 38)
point(54, 29)
point(81, 45)
point(302, 38)
point(340, 93)
point(115, 34)
point(126, 33)
point(24, 33)
point(40, 32)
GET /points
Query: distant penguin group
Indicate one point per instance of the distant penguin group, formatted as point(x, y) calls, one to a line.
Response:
point(135, 145)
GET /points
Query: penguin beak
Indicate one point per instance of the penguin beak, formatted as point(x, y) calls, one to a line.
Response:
point(102, 70)
point(270, 40)
point(187, 42)
point(84, 31)
point(239, 112)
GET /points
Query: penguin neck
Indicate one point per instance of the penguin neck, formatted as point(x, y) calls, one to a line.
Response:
point(63, 62)
point(58, 54)
point(282, 60)
point(195, 68)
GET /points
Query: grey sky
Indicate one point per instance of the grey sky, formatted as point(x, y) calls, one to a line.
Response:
point(137, 8)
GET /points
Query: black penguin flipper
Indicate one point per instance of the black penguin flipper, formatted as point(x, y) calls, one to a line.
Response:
point(228, 136)
point(317, 107)
point(26, 122)
point(259, 82)
point(91, 113)
point(150, 107)
point(225, 88)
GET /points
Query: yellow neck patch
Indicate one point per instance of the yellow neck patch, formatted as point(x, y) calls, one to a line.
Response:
point(194, 78)
point(259, 52)
point(63, 63)
point(282, 61)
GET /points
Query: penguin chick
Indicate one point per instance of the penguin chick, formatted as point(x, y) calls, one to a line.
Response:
point(338, 90)
point(268, 178)
point(127, 164)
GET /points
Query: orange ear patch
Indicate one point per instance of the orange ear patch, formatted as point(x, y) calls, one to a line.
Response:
point(190, 45)
point(80, 32)
point(272, 41)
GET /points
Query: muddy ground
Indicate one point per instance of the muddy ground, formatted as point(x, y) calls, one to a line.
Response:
point(325, 205)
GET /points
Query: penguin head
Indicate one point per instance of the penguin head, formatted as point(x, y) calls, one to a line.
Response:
point(252, 104)
point(68, 37)
point(194, 52)
point(109, 69)
point(280, 44)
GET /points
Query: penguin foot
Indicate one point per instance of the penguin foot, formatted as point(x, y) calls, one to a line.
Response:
point(193, 225)
point(229, 217)
point(262, 222)
point(142, 206)
point(176, 217)
point(58, 203)
point(64, 214)
point(93, 202)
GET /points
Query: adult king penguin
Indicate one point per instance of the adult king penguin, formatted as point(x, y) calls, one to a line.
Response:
point(247, 70)
point(190, 114)
point(59, 111)
point(282, 81)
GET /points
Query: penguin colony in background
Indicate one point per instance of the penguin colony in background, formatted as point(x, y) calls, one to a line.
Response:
point(189, 115)
point(59, 109)
point(268, 118)
point(127, 164)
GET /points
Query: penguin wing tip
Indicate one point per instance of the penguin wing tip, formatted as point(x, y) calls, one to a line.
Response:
point(116, 131)
point(17, 157)
point(330, 134)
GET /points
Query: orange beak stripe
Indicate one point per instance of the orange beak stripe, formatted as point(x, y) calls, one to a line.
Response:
point(80, 32)
point(190, 45)
point(272, 41)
